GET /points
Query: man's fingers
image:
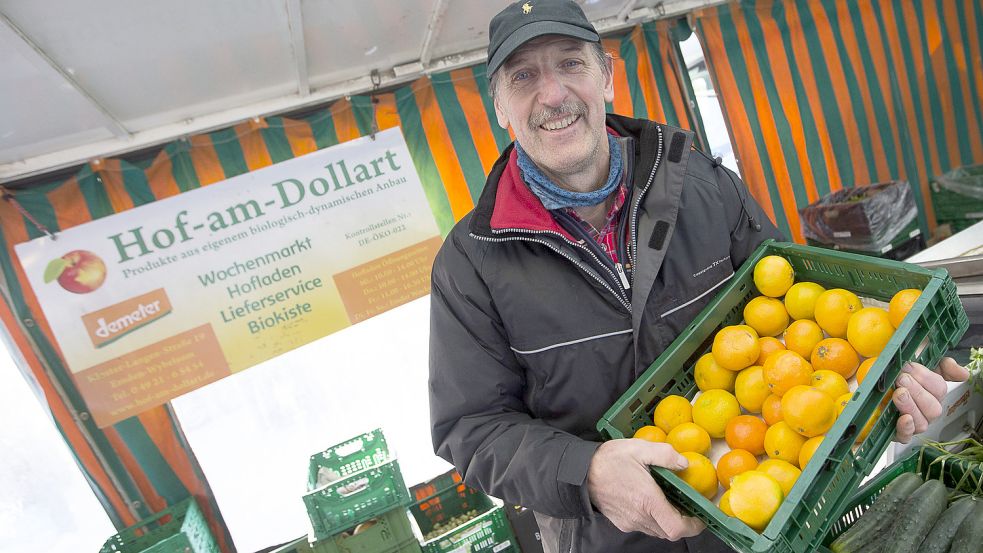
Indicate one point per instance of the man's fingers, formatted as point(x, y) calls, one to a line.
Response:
point(952, 371)
point(932, 382)
point(907, 406)
point(905, 429)
point(672, 524)
point(660, 455)
point(929, 405)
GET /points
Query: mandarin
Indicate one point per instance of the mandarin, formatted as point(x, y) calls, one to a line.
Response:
point(769, 345)
point(689, 436)
point(835, 354)
point(773, 276)
point(650, 433)
point(783, 472)
point(800, 300)
point(808, 411)
point(755, 498)
point(735, 347)
point(751, 388)
point(833, 310)
point(713, 409)
point(802, 336)
point(782, 442)
point(671, 412)
point(700, 474)
point(786, 369)
point(767, 316)
point(830, 383)
point(869, 330)
point(771, 409)
point(746, 432)
point(711, 376)
point(733, 463)
point(901, 304)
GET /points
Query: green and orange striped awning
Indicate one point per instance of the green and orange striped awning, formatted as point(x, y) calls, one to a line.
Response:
point(825, 94)
point(143, 464)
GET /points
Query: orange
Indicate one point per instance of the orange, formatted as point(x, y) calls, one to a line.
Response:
point(671, 412)
point(771, 409)
point(755, 498)
point(733, 463)
point(800, 300)
point(835, 354)
point(773, 276)
point(751, 388)
point(714, 409)
point(808, 411)
point(650, 433)
point(808, 450)
point(783, 472)
point(786, 369)
point(767, 316)
point(711, 376)
point(840, 402)
point(864, 368)
point(700, 474)
point(769, 345)
point(746, 432)
point(869, 331)
point(833, 310)
point(802, 336)
point(901, 304)
point(735, 347)
point(830, 383)
point(689, 437)
point(725, 504)
point(782, 442)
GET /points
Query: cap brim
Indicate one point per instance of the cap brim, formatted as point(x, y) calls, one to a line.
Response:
point(528, 32)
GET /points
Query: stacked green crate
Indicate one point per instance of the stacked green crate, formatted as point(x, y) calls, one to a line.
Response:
point(957, 197)
point(180, 528)
point(357, 500)
point(455, 518)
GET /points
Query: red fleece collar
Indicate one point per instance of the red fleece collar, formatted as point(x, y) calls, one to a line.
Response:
point(516, 207)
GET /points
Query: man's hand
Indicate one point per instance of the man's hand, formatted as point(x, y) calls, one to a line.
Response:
point(621, 487)
point(919, 395)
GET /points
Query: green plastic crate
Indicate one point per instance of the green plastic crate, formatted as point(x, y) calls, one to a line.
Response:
point(180, 528)
point(926, 463)
point(934, 324)
point(369, 483)
point(301, 545)
point(900, 242)
point(446, 496)
point(390, 531)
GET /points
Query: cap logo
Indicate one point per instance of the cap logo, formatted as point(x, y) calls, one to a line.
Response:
point(527, 7)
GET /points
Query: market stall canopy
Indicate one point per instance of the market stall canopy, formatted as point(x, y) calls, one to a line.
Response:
point(93, 79)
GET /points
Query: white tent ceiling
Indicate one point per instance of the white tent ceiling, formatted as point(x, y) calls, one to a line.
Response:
point(83, 80)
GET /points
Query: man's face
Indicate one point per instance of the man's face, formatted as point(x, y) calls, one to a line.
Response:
point(552, 92)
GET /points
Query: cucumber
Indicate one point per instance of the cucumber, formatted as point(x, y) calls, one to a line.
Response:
point(969, 536)
point(940, 538)
point(879, 516)
point(915, 518)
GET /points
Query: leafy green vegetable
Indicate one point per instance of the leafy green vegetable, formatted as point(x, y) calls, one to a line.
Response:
point(975, 367)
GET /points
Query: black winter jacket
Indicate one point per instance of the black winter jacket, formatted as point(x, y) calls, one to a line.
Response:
point(534, 336)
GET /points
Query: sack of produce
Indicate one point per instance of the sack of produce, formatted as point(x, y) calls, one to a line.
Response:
point(865, 218)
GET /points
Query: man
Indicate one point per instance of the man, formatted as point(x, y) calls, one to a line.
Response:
point(595, 242)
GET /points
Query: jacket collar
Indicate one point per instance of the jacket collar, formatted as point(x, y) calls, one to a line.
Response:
point(507, 205)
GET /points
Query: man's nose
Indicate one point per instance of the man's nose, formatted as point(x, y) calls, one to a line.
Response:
point(552, 90)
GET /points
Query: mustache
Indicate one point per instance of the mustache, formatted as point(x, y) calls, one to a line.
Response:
point(566, 108)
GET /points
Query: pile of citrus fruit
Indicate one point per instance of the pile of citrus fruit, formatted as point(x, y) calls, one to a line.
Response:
point(772, 400)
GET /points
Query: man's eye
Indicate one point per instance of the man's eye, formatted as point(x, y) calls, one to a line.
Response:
point(570, 64)
point(521, 76)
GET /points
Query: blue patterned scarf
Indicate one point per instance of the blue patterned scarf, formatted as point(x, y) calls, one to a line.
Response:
point(554, 197)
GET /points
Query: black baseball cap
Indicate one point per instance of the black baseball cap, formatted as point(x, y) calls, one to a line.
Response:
point(525, 20)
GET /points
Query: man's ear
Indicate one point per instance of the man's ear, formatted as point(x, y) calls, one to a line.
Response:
point(503, 118)
point(608, 78)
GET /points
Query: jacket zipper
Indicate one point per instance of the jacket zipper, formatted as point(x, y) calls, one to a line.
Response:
point(600, 255)
point(582, 266)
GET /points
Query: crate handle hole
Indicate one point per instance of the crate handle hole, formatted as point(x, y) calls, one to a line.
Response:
point(351, 447)
point(633, 406)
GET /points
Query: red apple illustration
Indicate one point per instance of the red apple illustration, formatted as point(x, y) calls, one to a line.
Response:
point(77, 271)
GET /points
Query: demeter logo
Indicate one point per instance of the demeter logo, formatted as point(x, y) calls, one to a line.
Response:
point(113, 322)
point(78, 271)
